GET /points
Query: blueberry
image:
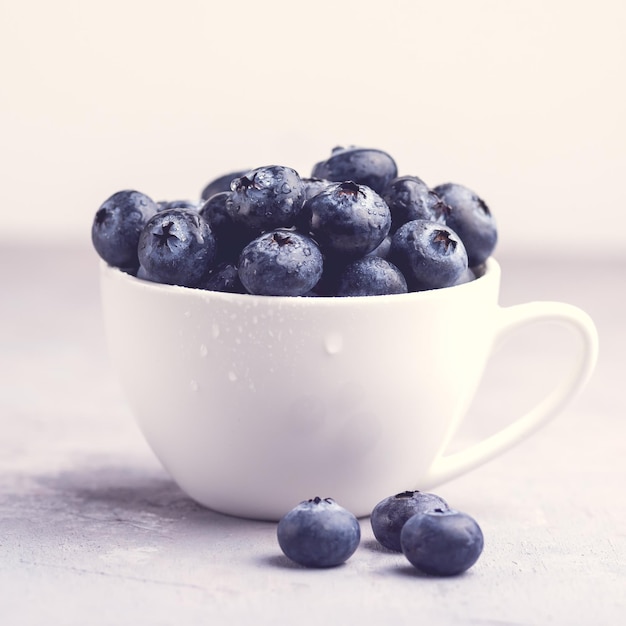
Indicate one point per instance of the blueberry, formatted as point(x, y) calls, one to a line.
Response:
point(280, 263)
point(442, 542)
point(409, 198)
point(371, 276)
point(224, 277)
point(117, 225)
point(319, 533)
point(382, 249)
point(266, 198)
point(365, 166)
point(347, 219)
point(231, 237)
point(313, 186)
point(471, 219)
point(176, 204)
point(176, 247)
point(222, 183)
point(389, 515)
point(429, 254)
point(466, 277)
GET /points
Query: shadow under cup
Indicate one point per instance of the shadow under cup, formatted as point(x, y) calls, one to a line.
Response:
point(255, 403)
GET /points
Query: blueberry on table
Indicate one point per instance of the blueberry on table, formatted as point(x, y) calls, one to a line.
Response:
point(176, 247)
point(471, 219)
point(429, 254)
point(442, 542)
point(365, 166)
point(266, 198)
point(319, 533)
point(371, 276)
point(389, 515)
point(281, 262)
point(117, 225)
point(409, 198)
point(221, 183)
point(347, 219)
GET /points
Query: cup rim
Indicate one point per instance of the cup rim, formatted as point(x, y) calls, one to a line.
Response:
point(491, 271)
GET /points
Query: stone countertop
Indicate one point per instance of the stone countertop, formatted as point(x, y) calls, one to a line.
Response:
point(92, 530)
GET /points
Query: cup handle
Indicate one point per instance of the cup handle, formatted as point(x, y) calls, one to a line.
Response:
point(508, 320)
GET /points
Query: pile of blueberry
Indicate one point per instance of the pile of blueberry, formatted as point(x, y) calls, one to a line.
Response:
point(353, 228)
point(435, 539)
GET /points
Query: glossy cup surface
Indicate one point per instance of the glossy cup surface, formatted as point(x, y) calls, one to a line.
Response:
point(255, 403)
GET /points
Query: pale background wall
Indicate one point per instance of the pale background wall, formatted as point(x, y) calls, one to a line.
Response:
point(523, 101)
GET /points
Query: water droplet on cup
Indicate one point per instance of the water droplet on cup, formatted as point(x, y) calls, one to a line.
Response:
point(193, 385)
point(232, 376)
point(215, 331)
point(203, 350)
point(333, 343)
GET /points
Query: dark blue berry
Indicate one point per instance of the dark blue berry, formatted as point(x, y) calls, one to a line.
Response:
point(231, 237)
point(409, 198)
point(117, 225)
point(429, 254)
point(313, 186)
point(280, 263)
point(319, 533)
point(382, 249)
point(223, 277)
point(466, 277)
point(266, 198)
point(222, 183)
point(176, 247)
point(347, 219)
point(371, 276)
point(442, 542)
point(365, 166)
point(177, 204)
point(471, 219)
point(389, 515)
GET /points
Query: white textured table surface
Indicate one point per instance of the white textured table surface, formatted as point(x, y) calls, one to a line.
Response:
point(92, 530)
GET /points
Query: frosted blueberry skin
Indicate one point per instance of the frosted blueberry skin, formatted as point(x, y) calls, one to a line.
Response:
point(429, 254)
point(382, 249)
point(221, 183)
point(347, 220)
point(280, 263)
point(409, 198)
point(266, 198)
point(389, 515)
point(442, 542)
point(319, 533)
point(224, 277)
point(176, 247)
point(231, 236)
point(365, 166)
point(313, 186)
point(371, 276)
point(117, 226)
point(177, 204)
point(470, 217)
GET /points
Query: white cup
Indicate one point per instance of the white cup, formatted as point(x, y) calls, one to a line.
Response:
point(255, 403)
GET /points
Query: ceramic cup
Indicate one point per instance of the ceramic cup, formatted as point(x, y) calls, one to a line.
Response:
point(255, 403)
